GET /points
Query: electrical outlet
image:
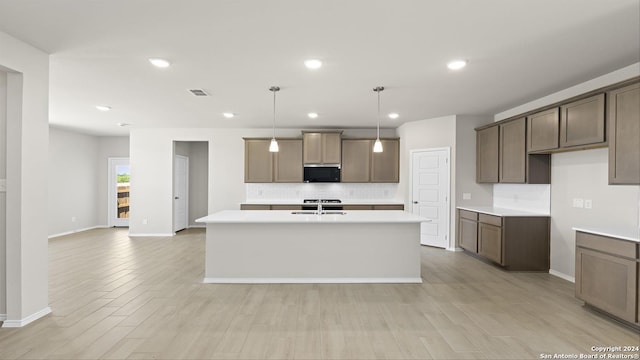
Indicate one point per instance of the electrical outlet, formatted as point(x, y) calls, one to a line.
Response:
point(588, 204)
point(578, 203)
point(466, 196)
point(144, 222)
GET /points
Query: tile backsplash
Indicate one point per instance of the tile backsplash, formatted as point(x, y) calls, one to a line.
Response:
point(343, 191)
point(525, 197)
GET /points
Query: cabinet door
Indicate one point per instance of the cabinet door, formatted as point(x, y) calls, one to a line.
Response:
point(356, 161)
point(490, 242)
point(487, 150)
point(607, 282)
point(468, 234)
point(288, 161)
point(543, 130)
point(513, 151)
point(312, 152)
point(331, 148)
point(258, 161)
point(385, 166)
point(624, 135)
point(582, 122)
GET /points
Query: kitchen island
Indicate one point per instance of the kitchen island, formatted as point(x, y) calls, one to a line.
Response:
point(301, 247)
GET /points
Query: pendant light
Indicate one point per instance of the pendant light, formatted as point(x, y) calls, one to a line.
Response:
point(273, 146)
point(377, 146)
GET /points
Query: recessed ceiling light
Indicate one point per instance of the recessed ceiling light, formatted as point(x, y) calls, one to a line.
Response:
point(457, 64)
point(121, 124)
point(228, 115)
point(393, 116)
point(161, 63)
point(313, 64)
point(103, 107)
point(312, 115)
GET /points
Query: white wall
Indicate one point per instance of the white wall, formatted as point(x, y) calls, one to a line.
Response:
point(108, 146)
point(27, 142)
point(426, 134)
point(481, 194)
point(584, 174)
point(73, 179)
point(151, 171)
point(3, 194)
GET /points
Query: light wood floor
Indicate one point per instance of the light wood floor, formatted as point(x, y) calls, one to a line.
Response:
point(115, 297)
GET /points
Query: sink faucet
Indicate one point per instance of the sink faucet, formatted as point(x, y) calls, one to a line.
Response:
point(320, 207)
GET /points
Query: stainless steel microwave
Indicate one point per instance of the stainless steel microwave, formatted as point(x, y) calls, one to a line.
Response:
point(322, 173)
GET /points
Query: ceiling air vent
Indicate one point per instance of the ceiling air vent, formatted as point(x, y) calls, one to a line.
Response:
point(198, 92)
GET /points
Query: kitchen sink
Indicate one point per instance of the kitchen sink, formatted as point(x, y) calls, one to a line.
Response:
point(316, 213)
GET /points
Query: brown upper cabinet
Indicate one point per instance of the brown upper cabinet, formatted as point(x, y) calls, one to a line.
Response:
point(624, 135)
point(543, 130)
point(356, 160)
point(262, 166)
point(513, 151)
point(385, 166)
point(582, 122)
point(502, 156)
point(360, 164)
point(322, 147)
point(487, 154)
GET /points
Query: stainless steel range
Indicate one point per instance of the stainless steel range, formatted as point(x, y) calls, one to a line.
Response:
point(327, 204)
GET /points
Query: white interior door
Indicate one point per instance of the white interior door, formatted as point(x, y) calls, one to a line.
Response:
point(430, 194)
point(180, 192)
point(118, 204)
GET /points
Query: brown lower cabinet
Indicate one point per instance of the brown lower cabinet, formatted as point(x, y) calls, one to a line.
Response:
point(607, 275)
point(514, 242)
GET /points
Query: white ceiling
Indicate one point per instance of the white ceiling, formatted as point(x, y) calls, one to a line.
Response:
point(237, 49)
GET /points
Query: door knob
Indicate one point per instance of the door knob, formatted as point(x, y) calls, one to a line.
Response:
point(415, 202)
point(176, 198)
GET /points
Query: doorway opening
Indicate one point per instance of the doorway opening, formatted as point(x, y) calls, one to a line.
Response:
point(190, 183)
point(119, 192)
point(430, 187)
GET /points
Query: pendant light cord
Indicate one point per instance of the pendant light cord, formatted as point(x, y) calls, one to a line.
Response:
point(379, 114)
point(274, 114)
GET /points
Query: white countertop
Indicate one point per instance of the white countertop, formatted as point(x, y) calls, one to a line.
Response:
point(626, 233)
point(490, 210)
point(285, 216)
point(344, 202)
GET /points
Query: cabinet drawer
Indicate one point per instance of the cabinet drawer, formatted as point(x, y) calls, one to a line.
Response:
point(605, 244)
point(468, 215)
point(490, 219)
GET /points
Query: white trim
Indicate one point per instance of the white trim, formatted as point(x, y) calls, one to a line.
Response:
point(150, 235)
point(450, 198)
point(562, 275)
point(455, 249)
point(197, 226)
point(186, 212)
point(29, 319)
point(408, 280)
point(77, 231)
point(112, 161)
point(3, 317)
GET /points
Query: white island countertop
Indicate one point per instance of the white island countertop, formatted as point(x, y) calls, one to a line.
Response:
point(620, 232)
point(287, 216)
point(491, 210)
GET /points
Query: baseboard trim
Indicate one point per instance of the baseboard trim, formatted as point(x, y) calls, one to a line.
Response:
point(455, 249)
point(3, 317)
point(150, 235)
point(562, 275)
point(197, 226)
point(29, 319)
point(76, 231)
point(408, 280)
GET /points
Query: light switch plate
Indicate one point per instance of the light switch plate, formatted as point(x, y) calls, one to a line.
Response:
point(578, 203)
point(588, 204)
point(3, 185)
point(466, 196)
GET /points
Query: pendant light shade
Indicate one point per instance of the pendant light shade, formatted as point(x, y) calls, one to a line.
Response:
point(273, 146)
point(377, 146)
